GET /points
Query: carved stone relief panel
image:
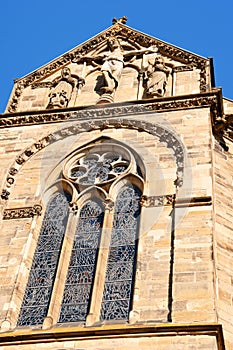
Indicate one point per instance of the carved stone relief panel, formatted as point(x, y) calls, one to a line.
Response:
point(110, 52)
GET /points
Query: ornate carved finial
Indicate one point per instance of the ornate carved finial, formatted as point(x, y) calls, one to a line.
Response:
point(122, 20)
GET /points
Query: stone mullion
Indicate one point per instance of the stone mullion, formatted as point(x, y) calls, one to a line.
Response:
point(134, 314)
point(101, 266)
point(62, 269)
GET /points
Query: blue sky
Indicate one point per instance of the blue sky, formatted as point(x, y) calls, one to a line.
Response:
point(35, 32)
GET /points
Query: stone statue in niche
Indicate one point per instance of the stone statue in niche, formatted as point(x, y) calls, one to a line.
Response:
point(156, 76)
point(112, 63)
point(62, 88)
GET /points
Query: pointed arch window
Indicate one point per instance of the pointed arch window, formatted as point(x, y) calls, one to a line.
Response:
point(42, 275)
point(119, 281)
point(107, 169)
point(81, 271)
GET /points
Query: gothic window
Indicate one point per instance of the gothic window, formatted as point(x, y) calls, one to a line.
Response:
point(93, 173)
point(82, 264)
point(40, 283)
point(122, 254)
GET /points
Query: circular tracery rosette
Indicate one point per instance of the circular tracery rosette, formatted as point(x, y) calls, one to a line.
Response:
point(98, 164)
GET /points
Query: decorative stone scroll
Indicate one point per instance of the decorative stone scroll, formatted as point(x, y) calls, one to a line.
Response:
point(157, 201)
point(22, 213)
point(41, 84)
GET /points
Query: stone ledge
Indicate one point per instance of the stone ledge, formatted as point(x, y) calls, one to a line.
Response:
point(110, 331)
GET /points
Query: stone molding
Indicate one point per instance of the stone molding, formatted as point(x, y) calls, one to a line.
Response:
point(157, 201)
point(22, 213)
point(163, 133)
point(117, 30)
point(114, 331)
point(193, 202)
point(182, 69)
point(159, 105)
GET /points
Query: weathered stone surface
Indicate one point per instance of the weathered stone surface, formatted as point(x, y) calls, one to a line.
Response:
point(183, 274)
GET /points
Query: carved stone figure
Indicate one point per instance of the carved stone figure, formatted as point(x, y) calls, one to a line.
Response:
point(156, 76)
point(112, 63)
point(112, 66)
point(61, 90)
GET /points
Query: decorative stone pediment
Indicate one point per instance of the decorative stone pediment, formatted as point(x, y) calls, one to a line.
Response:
point(119, 64)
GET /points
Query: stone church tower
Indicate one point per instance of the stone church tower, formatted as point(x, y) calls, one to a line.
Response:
point(116, 201)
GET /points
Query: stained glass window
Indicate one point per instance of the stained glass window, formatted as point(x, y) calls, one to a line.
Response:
point(122, 254)
point(80, 276)
point(98, 167)
point(39, 287)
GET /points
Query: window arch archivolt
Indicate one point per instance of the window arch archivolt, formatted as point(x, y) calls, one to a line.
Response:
point(161, 133)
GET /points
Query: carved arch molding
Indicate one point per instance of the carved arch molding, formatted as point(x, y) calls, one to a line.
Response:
point(161, 132)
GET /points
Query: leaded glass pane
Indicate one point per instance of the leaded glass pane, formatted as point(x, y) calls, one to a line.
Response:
point(121, 261)
point(82, 263)
point(39, 287)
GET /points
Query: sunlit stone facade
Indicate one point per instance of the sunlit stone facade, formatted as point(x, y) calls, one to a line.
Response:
point(116, 201)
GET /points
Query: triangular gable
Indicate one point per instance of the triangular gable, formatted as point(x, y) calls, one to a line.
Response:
point(131, 39)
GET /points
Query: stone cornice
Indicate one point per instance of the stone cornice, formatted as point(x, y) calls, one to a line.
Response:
point(210, 99)
point(24, 336)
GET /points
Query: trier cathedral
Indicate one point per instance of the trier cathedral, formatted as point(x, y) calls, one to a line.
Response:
point(116, 201)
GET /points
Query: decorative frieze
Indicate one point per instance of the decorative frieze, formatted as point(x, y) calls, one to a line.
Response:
point(182, 69)
point(170, 199)
point(42, 84)
point(160, 105)
point(157, 201)
point(22, 213)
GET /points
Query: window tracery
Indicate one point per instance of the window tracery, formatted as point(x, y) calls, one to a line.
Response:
point(98, 165)
point(87, 169)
